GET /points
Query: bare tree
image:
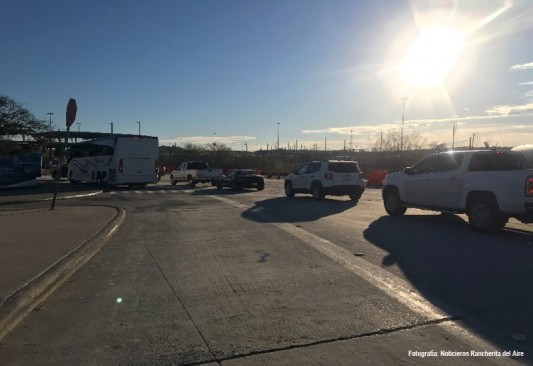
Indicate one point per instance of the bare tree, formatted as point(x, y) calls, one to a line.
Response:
point(392, 141)
point(17, 122)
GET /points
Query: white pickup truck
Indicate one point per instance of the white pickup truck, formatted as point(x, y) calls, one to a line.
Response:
point(194, 172)
point(489, 186)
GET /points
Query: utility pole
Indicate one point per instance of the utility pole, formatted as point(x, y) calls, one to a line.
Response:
point(453, 133)
point(111, 123)
point(277, 145)
point(50, 136)
point(403, 118)
point(139, 123)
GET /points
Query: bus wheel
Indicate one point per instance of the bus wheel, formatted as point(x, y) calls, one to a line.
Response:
point(101, 179)
point(72, 180)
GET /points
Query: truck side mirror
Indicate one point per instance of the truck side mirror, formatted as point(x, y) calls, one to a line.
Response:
point(409, 170)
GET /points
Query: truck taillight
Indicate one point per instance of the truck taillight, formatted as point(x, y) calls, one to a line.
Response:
point(156, 166)
point(328, 175)
point(121, 166)
point(529, 186)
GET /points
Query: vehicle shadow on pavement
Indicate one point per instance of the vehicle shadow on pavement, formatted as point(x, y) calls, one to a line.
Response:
point(225, 191)
point(297, 209)
point(460, 271)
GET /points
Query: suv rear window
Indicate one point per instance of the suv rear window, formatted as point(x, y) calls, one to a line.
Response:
point(344, 167)
point(497, 162)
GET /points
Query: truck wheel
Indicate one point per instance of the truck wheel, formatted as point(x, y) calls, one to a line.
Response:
point(191, 181)
point(172, 181)
point(219, 184)
point(260, 186)
point(392, 203)
point(318, 192)
point(484, 215)
point(289, 191)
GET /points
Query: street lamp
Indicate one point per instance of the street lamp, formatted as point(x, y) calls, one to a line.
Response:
point(111, 123)
point(278, 136)
point(403, 117)
point(50, 136)
point(139, 123)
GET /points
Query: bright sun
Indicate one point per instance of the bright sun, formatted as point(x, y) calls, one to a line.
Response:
point(431, 56)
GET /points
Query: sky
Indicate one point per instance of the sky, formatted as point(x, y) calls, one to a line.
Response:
point(317, 73)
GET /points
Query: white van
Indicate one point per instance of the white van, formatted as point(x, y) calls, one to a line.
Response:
point(115, 160)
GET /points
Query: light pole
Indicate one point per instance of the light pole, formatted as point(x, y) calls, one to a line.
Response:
point(111, 123)
point(278, 137)
point(76, 138)
point(403, 117)
point(50, 136)
point(453, 133)
point(325, 143)
point(139, 123)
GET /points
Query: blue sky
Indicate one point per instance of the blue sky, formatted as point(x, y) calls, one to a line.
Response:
point(229, 71)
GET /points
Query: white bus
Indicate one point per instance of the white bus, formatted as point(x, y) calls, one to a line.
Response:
point(115, 160)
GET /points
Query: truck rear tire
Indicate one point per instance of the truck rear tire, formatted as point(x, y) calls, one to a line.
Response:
point(484, 215)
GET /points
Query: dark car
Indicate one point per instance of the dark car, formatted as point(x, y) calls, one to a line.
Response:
point(241, 178)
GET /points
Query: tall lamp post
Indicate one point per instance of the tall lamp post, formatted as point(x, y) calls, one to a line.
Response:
point(139, 123)
point(277, 146)
point(76, 139)
point(111, 123)
point(50, 135)
point(403, 118)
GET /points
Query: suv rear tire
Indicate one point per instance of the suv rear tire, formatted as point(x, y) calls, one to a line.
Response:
point(318, 192)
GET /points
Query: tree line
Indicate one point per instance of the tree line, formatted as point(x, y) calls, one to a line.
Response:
point(17, 122)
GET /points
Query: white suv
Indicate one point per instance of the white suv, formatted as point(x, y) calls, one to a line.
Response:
point(329, 177)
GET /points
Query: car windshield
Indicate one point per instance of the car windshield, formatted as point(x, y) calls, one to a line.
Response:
point(244, 172)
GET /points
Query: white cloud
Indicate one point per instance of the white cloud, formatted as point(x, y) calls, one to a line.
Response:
point(528, 83)
point(527, 66)
point(510, 110)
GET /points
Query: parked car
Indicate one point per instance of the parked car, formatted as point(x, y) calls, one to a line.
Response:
point(241, 178)
point(489, 186)
point(328, 177)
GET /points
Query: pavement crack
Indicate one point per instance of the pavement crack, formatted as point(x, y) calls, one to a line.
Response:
point(378, 332)
point(214, 358)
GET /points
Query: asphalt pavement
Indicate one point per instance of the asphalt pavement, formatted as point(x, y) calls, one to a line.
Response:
point(40, 247)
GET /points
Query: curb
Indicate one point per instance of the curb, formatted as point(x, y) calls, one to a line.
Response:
point(20, 303)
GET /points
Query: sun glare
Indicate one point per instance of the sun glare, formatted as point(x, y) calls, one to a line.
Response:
point(431, 57)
